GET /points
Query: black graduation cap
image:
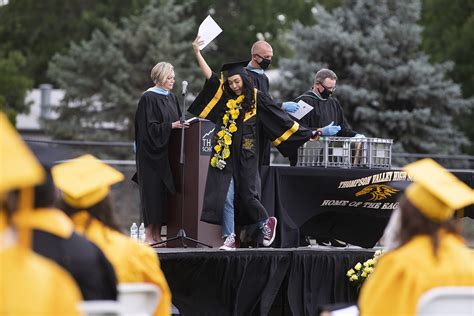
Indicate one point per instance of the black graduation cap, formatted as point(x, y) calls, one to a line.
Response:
point(235, 68)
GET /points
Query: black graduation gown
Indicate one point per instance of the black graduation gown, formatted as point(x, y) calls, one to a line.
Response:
point(89, 267)
point(323, 113)
point(267, 121)
point(153, 119)
point(262, 83)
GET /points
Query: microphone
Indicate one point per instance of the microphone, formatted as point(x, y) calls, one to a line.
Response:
point(184, 85)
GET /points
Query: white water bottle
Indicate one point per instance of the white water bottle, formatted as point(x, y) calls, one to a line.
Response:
point(141, 233)
point(134, 231)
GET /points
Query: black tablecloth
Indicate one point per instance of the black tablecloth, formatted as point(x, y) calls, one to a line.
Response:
point(246, 282)
point(317, 279)
point(225, 283)
point(353, 205)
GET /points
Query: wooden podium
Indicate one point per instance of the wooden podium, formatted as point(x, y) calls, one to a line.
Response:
point(197, 153)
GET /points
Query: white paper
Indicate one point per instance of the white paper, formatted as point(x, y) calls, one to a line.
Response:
point(348, 311)
point(304, 109)
point(208, 31)
point(192, 120)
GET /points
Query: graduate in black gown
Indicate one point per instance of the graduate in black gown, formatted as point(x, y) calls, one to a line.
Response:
point(157, 115)
point(243, 117)
point(54, 237)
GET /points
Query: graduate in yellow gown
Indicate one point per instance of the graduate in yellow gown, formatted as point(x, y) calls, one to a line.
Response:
point(85, 184)
point(54, 237)
point(428, 250)
point(29, 284)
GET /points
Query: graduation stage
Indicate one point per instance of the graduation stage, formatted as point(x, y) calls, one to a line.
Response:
point(264, 281)
point(349, 204)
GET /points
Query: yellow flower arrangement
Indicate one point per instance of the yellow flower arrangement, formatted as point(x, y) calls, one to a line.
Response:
point(361, 271)
point(224, 136)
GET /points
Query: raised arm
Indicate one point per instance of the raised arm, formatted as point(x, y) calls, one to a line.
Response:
point(206, 70)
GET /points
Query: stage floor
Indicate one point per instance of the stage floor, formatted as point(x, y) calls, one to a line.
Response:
point(260, 281)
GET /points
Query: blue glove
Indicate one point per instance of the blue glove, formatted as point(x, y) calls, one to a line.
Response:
point(290, 106)
point(331, 129)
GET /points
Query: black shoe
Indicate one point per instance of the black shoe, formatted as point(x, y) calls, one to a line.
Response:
point(338, 243)
point(331, 243)
point(304, 241)
point(323, 242)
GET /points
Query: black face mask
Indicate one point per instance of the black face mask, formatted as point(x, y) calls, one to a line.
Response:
point(264, 63)
point(325, 93)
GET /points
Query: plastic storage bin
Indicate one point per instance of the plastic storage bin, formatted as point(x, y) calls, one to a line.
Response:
point(346, 152)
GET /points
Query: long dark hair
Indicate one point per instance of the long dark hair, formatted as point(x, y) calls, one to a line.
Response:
point(101, 211)
point(247, 91)
point(45, 193)
point(414, 223)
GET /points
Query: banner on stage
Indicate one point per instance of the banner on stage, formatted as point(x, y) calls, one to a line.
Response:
point(374, 192)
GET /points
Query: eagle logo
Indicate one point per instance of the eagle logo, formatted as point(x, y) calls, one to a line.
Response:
point(377, 192)
point(247, 143)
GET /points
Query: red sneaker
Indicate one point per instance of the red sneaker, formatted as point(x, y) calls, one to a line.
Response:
point(269, 231)
point(229, 243)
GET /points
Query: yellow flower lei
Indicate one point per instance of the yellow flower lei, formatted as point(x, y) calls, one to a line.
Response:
point(224, 136)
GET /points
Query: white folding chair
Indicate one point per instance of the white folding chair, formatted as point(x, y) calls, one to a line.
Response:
point(449, 300)
point(100, 308)
point(138, 298)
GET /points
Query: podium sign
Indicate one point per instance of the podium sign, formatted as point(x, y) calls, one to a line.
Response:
point(197, 153)
point(206, 132)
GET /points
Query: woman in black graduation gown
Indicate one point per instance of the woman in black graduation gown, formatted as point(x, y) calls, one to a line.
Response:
point(157, 115)
point(243, 117)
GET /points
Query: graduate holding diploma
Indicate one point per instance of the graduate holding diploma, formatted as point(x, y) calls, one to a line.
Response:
point(243, 117)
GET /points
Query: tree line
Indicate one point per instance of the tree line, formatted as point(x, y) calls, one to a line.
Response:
point(405, 67)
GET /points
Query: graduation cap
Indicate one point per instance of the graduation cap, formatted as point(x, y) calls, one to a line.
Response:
point(85, 181)
point(19, 169)
point(18, 166)
point(235, 68)
point(436, 192)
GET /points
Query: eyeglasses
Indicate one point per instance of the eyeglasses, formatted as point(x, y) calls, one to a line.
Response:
point(327, 88)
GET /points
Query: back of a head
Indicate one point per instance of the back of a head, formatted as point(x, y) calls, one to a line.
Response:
point(20, 172)
point(45, 193)
point(85, 185)
point(435, 191)
point(429, 203)
point(18, 166)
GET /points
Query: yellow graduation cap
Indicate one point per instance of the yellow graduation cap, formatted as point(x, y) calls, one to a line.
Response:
point(18, 166)
point(85, 181)
point(436, 192)
point(19, 169)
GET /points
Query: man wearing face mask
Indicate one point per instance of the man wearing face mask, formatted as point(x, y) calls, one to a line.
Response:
point(261, 53)
point(328, 117)
point(327, 111)
point(261, 58)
